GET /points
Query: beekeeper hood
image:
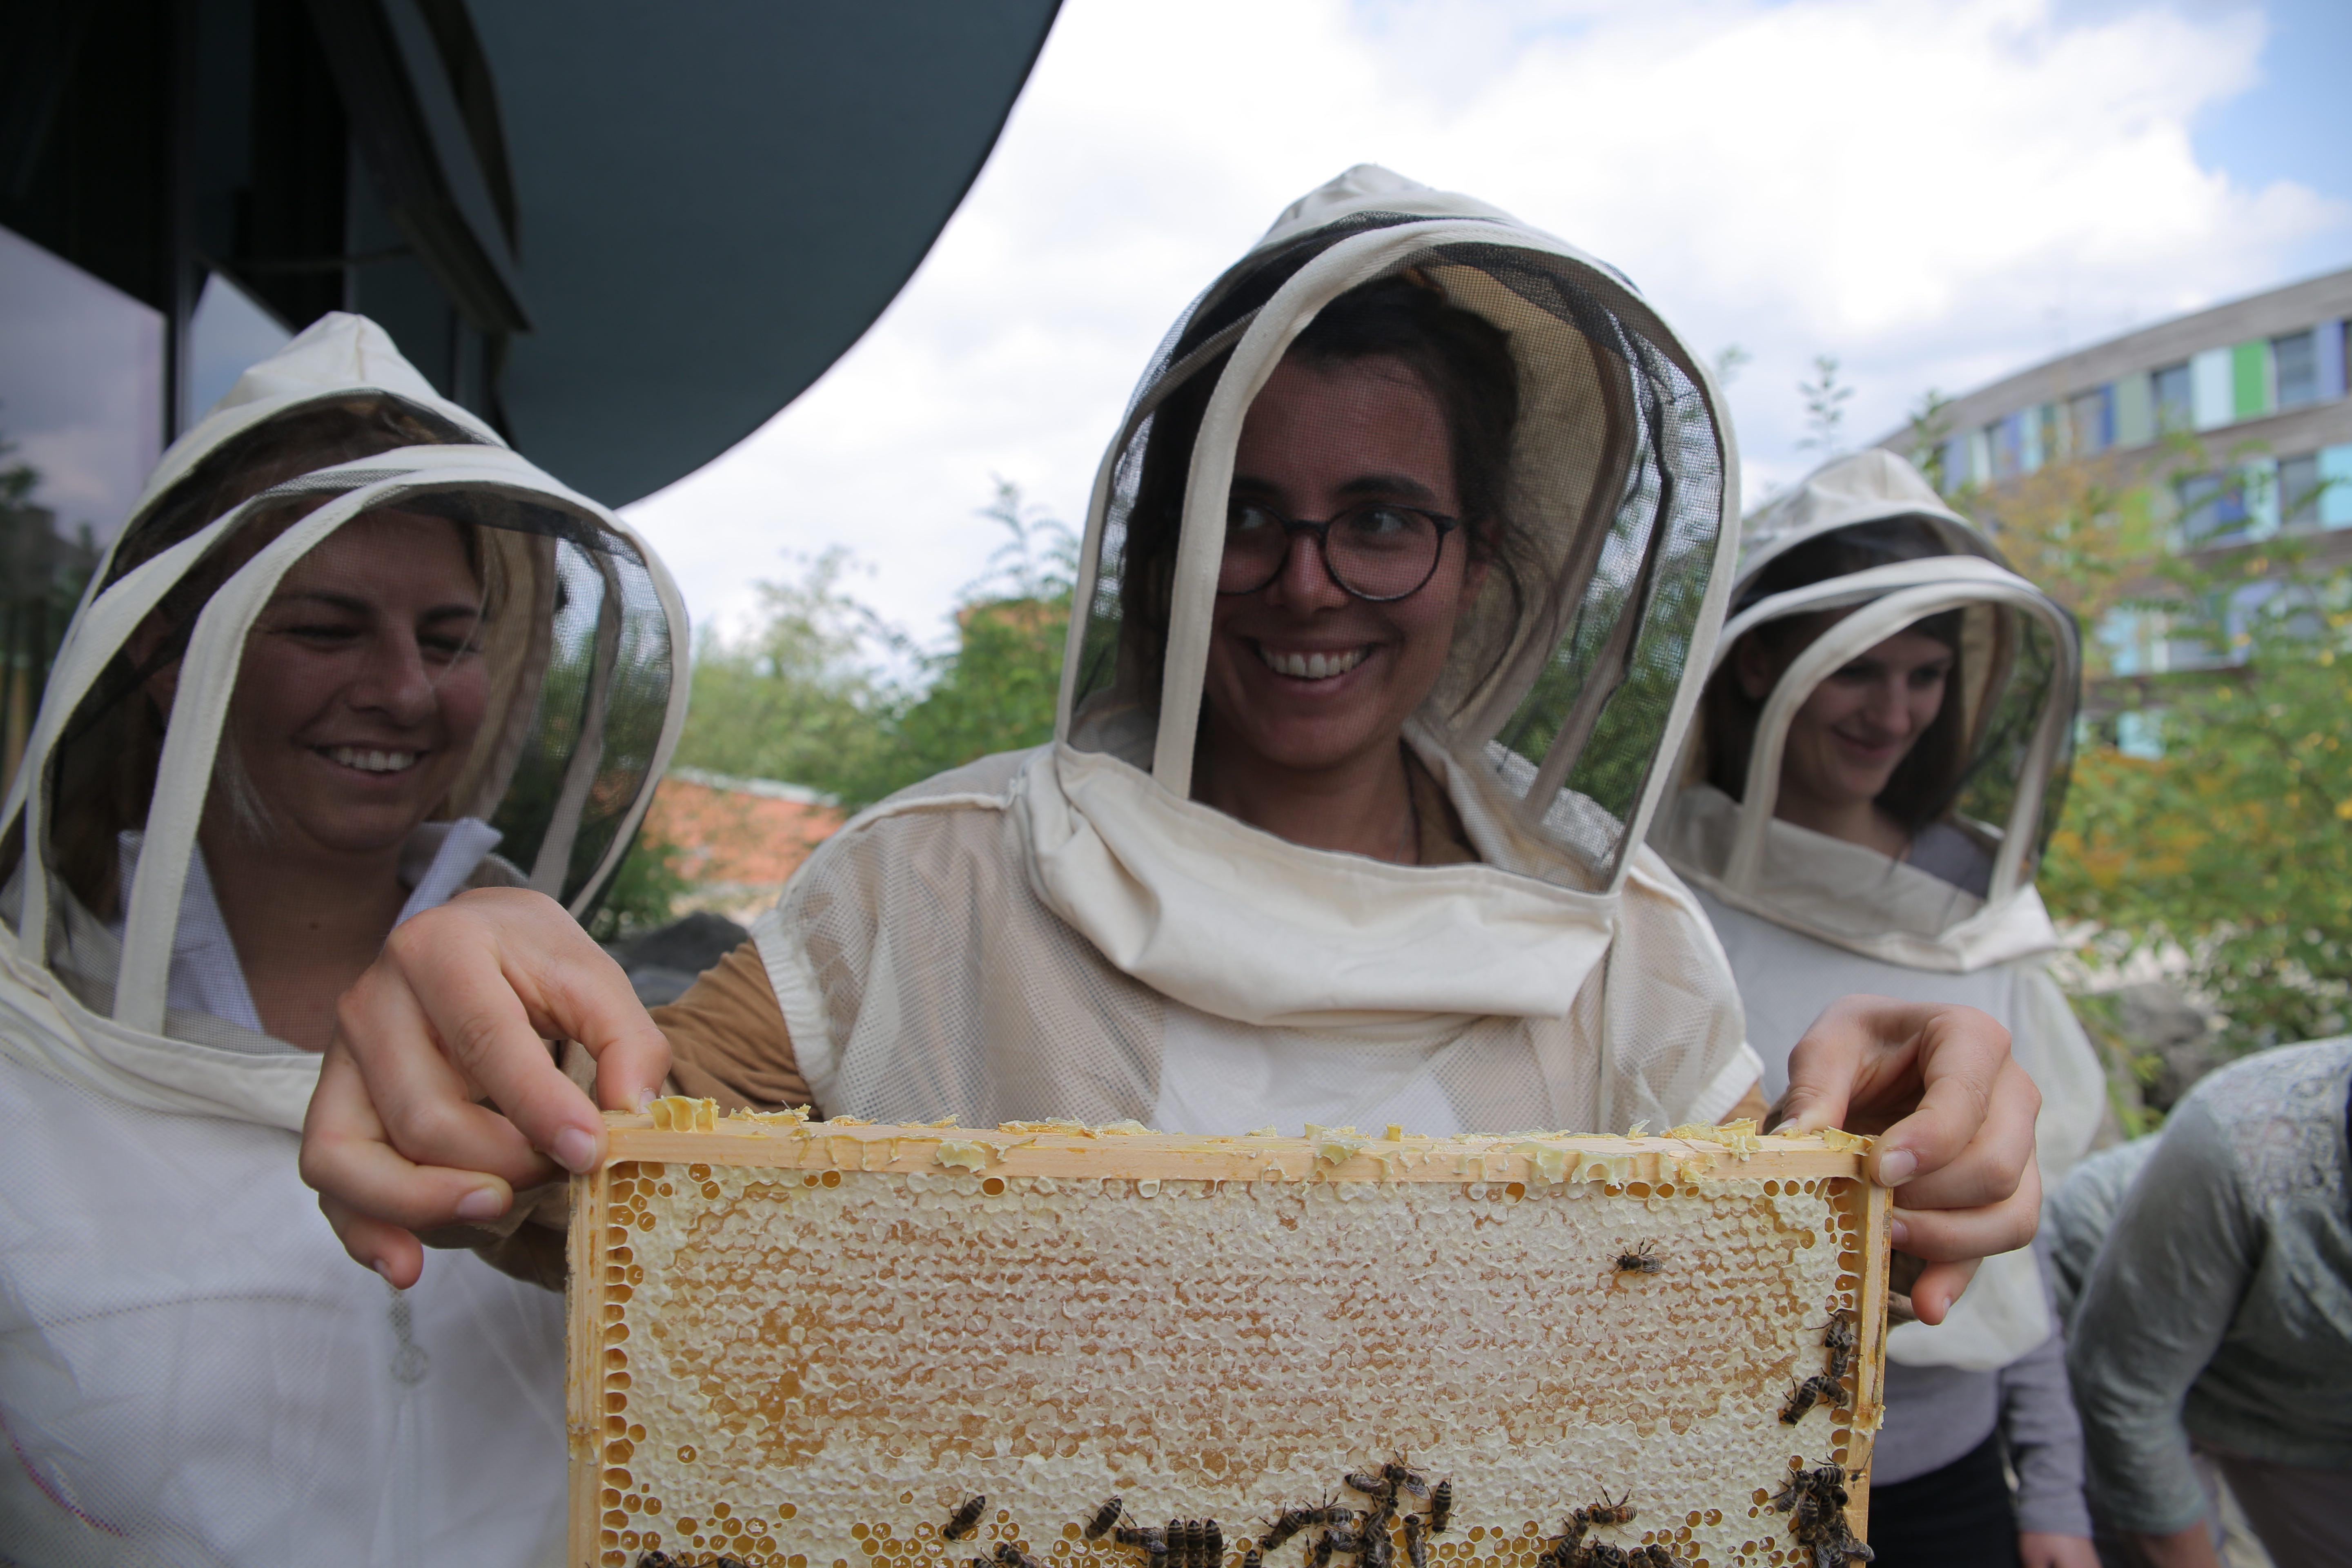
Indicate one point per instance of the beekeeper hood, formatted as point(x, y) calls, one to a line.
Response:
point(331, 526)
point(1978, 790)
point(1598, 509)
point(1879, 503)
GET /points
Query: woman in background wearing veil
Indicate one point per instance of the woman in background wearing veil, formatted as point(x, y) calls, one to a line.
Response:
point(1884, 739)
point(1395, 580)
point(304, 704)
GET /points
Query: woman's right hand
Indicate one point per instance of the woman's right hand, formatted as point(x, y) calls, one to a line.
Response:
point(458, 1008)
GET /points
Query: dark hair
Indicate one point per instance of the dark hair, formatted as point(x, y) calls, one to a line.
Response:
point(1928, 778)
point(1464, 360)
point(102, 774)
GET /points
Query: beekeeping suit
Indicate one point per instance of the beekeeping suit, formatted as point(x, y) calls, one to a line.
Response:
point(191, 1371)
point(1806, 918)
point(1121, 949)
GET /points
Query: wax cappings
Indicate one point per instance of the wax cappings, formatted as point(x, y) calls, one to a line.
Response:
point(814, 1365)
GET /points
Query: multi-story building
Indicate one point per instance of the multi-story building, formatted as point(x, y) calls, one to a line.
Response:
point(2260, 383)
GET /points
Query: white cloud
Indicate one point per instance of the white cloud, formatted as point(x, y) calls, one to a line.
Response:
point(1936, 193)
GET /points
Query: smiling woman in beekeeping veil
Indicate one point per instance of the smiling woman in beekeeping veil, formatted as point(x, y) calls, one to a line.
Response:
point(349, 657)
point(1399, 577)
point(1881, 751)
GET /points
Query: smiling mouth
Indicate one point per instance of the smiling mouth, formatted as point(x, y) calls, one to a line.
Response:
point(371, 761)
point(1311, 665)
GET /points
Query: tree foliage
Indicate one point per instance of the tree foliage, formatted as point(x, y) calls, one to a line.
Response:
point(2227, 858)
point(823, 692)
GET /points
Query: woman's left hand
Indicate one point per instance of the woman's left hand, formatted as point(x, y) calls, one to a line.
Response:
point(1953, 1117)
point(2038, 1550)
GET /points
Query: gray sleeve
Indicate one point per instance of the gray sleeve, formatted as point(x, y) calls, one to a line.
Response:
point(2045, 1442)
point(2152, 1312)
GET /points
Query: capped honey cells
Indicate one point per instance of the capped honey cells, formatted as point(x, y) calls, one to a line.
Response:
point(809, 1344)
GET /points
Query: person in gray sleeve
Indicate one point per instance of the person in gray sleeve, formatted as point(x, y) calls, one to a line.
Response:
point(2219, 1315)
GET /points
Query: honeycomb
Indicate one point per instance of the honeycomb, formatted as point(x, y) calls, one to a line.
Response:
point(811, 1345)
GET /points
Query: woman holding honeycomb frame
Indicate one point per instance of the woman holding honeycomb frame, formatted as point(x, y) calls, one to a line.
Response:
point(1395, 582)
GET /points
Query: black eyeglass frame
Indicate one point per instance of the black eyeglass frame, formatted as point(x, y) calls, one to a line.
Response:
point(1293, 527)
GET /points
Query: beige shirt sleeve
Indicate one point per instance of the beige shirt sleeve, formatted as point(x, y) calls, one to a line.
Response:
point(728, 1040)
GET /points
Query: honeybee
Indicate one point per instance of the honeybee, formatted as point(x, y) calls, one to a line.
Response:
point(1642, 1259)
point(656, 1560)
point(1607, 1512)
point(1819, 1387)
point(1183, 1543)
point(962, 1522)
point(1319, 1556)
point(1601, 1555)
point(1105, 1516)
point(1286, 1523)
point(1416, 1540)
point(1657, 1554)
point(1372, 1483)
point(1251, 1558)
point(1841, 1339)
point(1012, 1556)
point(1213, 1544)
point(1398, 1474)
point(1154, 1541)
point(1441, 1506)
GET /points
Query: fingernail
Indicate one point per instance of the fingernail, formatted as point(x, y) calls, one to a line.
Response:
point(1896, 1167)
point(380, 1266)
point(1897, 1233)
point(574, 1150)
point(482, 1202)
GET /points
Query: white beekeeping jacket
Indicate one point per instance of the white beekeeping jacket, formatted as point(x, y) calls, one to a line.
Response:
point(1067, 932)
point(1806, 918)
point(191, 1371)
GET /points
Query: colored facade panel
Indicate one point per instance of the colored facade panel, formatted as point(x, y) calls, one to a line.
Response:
point(2134, 402)
point(2250, 379)
point(2033, 445)
point(2334, 474)
point(2212, 393)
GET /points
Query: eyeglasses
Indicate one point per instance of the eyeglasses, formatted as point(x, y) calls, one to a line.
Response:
point(1378, 551)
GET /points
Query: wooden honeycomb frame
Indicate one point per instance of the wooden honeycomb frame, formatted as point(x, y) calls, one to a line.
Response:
point(805, 1345)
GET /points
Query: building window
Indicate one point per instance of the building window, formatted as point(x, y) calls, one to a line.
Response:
point(2091, 422)
point(2299, 491)
point(2297, 357)
point(2173, 401)
point(2236, 506)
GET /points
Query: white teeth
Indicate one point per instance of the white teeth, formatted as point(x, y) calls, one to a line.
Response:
point(1310, 665)
point(369, 762)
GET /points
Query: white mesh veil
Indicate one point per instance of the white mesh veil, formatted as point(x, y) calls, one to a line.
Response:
point(1570, 675)
point(569, 658)
point(1991, 771)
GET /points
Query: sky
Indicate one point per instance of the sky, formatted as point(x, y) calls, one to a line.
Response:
point(1934, 194)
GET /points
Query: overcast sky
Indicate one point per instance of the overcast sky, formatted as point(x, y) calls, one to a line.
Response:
point(1938, 194)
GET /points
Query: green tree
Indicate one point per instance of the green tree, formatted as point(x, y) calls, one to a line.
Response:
point(823, 692)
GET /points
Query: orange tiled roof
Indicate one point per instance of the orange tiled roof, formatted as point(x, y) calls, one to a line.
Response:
point(737, 832)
